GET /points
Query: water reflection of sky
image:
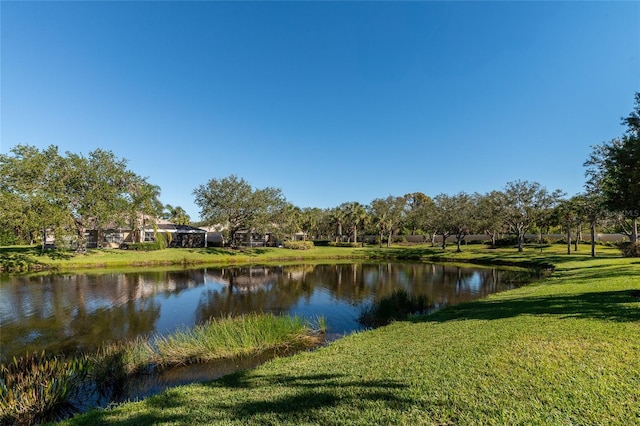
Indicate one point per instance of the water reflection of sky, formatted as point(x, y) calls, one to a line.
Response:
point(341, 316)
point(176, 312)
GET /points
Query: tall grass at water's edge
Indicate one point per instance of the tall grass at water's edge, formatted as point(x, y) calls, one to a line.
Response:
point(232, 337)
point(39, 388)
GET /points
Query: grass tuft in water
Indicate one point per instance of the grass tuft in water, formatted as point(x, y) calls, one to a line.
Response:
point(231, 337)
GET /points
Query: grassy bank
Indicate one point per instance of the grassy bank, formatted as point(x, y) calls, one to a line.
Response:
point(565, 350)
point(30, 259)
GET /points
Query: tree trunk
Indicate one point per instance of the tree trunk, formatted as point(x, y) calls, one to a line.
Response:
point(389, 239)
point(458, 250)
point(593, 239)
point(492, 237)
point(82, 243)
point(520, 238)
point(634, 229)
point(355, 234)
point(578, 237)
point(568, 237)
point(444, 241)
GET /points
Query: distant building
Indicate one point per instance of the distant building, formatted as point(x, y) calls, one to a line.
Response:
point(179, 235)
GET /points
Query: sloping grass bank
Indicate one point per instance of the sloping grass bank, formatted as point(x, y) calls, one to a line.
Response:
point(565, 350)
point(32, 259)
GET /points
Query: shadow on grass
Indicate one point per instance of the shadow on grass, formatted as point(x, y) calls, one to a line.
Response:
point(18, 261)
point(298, 399)
point(609, 305)
point(56, 254)
point(588, 274)
point(530, 258)
point(219, 251)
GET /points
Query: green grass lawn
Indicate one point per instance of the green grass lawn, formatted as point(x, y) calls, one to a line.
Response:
point(565, 350)
point(29, 258)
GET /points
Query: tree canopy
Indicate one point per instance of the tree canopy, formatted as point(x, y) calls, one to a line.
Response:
point(524, 201)
point(234, 204)
point(613, 170)
point(43, 190)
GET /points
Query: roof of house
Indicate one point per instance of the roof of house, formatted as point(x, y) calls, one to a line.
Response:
point(171, 227)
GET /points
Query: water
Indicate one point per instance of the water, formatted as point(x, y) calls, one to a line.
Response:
point(66, 313)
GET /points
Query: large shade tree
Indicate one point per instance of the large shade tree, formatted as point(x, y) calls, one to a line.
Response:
point(47, 190)
point(454, 215)
point(613, 170)
point(31, 193)
point(524, 203)
point(419, 213)
point(490, 214)
point(233, 203)
point(311, 222)
point(387, 214)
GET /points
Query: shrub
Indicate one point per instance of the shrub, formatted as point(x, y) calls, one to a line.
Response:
point(321, 243)
point(163, 240)
point(299, 245)
point(396, 306)
point(629, 249)
point(343, 244)
point(146, 246)
point(37, 388)
point(505, 242)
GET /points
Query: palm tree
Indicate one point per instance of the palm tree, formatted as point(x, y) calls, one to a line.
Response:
point(356, 215)
point(176, 215)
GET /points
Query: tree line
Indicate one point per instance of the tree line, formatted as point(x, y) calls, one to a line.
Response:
point(45, 191)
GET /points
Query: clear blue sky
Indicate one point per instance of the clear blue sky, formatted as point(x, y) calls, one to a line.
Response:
point(329, 101)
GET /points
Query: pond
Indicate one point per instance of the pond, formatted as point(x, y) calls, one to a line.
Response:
point(66, 313)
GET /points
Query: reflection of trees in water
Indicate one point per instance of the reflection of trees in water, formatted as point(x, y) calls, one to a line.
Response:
point(255, 289)
point(65, 313)
point(278, 289)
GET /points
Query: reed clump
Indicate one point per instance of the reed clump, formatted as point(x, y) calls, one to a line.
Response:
point(37, 388)
point(230, 337)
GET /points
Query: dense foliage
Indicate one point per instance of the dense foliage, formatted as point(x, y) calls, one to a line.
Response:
point(613, 171)
point(232, 202)
point(46, 192)
point(37, 388)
